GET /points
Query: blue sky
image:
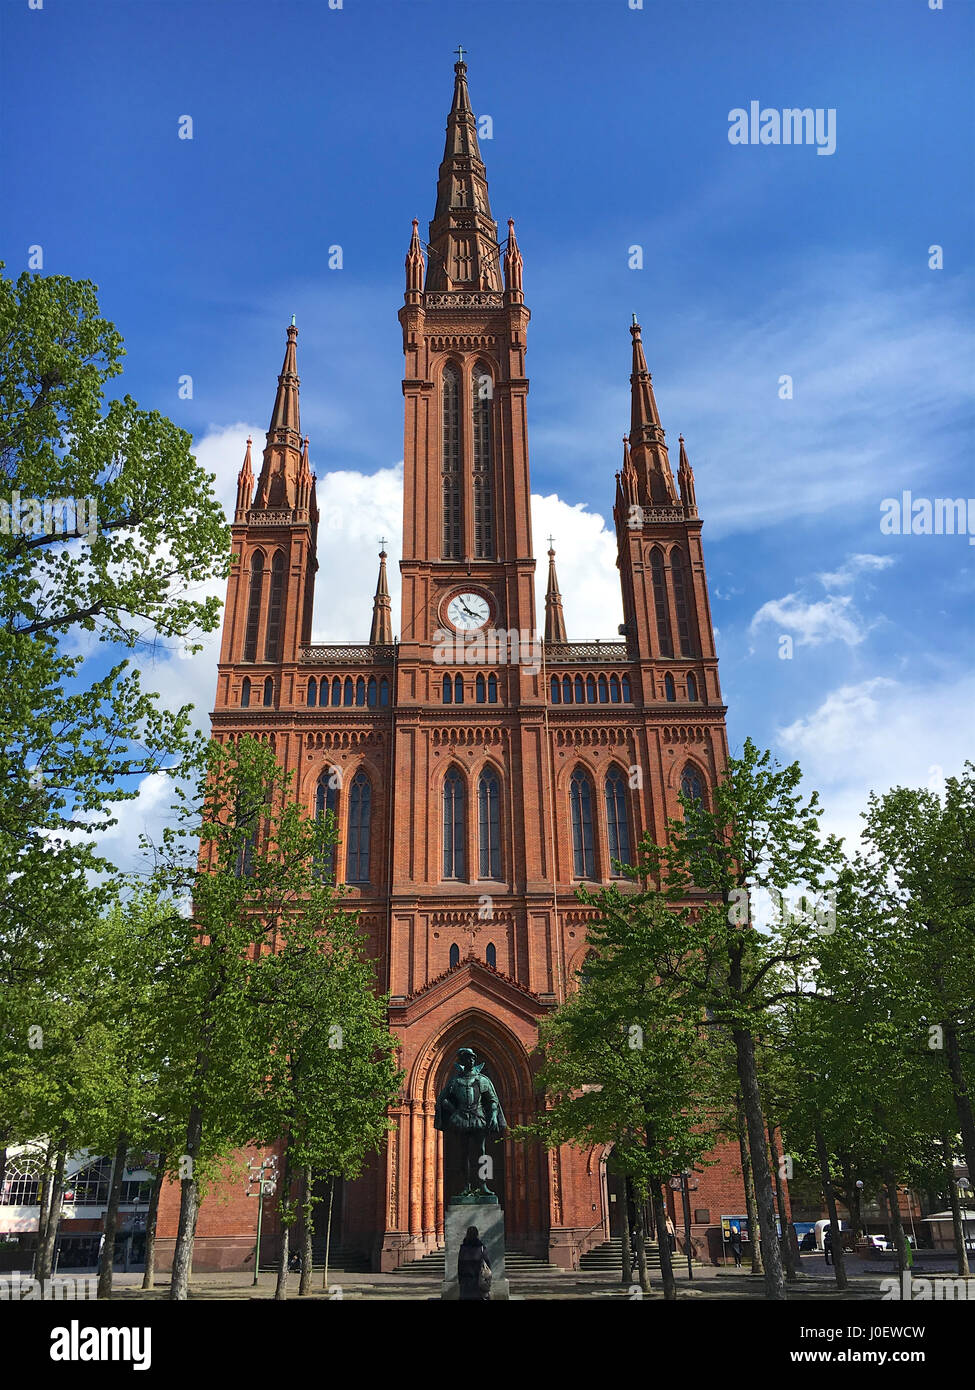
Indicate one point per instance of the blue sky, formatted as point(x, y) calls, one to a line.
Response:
point(314, 127)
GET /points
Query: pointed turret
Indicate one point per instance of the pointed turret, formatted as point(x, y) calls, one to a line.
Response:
point(646, 433)
point(278, 483)
point(685, 478)
point(513, 265)
point(245, 485)
point(463, 248)
point(382, 616)
point(414, 265)
point(554, 617)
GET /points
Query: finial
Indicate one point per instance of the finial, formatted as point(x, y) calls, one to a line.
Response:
point(460, 53)
point(292, 320)
point(635, 323)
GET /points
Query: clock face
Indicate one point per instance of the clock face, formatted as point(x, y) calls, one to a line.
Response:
point(468, 611)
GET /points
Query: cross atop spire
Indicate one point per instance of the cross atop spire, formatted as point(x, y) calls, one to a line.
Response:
point(460, 54)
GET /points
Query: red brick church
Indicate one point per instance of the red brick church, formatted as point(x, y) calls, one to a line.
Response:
point(484, 771)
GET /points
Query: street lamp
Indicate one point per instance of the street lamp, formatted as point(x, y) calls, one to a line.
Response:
point(265, 1175)
point(686, 1184)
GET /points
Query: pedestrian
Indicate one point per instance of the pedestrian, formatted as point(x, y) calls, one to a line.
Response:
point(734, 1241)
point(473, 1269)
point(671, 1236)
point(828, 1245)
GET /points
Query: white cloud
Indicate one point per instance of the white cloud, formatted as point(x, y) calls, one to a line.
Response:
point(878, 734)
point(833, 619)
point(852, 568)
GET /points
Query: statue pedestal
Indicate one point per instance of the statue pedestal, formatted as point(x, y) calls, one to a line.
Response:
point(489, 1220)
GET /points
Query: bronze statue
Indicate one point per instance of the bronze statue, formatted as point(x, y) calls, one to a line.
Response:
point(469, 1106)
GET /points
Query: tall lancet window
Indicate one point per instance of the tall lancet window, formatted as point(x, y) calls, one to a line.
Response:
point(454, 829)
point(482, 391)
point(360, 816)
point(450, 464)
point(254, 606)
point(660, 602)
point(580, 807)
point(489, 825)
point(327, 802)
point(274, 608)
point(679, 576)
point(617, 825)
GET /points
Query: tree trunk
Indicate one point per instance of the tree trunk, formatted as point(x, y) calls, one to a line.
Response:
point(43, 1215)
point(751, 1097)
point(957, 1224)
point(110, 1220)
point(897, 1227)
point(285, 1212)
point(45, 1247)
point(641, 1245)
point(785, 1244)
point(189, 1206)
point(149, 1277)
point(307, 1229)
point(839, 1255)
point(962, 1097)
point(328, 1228)
point(751, 1208)
point(626, 1242)
point(663, 1242)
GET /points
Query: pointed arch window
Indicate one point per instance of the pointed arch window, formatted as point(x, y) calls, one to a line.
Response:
point(603, 691)
point(450, 464)
point(556, 691)
point(480, 690)
point(312, 690)
point(492, 690)
point(384, 692)
point(371, 692)
point(274, 608)
point(580, 807)
point(489, 825)
point(336, 691)
point(566, 690)
point(458, 690)
point(591, 690)
point(678, 576)
point(625, 685)
point(454, 830)
point(327, 803)
point(268, 691)
point(482, 403)
point(491, 955)
point(614, 689)
point(254, 606)
point(357, 831)
point(691, 686)
point(245, 692)
point(454, 957)
point(692, 784)
point(617, 824)
point(348, 692)
point(580, 691)
point(360, 691)
point(664, 640)
point(670, 690)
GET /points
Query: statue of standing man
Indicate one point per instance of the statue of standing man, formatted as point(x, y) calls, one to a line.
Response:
point(469, 1106)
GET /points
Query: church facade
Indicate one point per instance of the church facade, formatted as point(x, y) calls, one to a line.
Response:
point(480, 765)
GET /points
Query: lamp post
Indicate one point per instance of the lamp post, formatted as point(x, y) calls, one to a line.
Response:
point(686, 1184)
point(265, 1175)
point(860, 1221)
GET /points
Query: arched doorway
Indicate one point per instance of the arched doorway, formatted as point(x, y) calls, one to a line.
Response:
point(519, 1169)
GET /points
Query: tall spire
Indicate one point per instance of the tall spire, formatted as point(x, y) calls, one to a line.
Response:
point(382, 617)
point(463, 247)
point(685, 477)
point(278, 483)
point(513, 263)
point(414, 263)
point(649, 451)
point(554, 617)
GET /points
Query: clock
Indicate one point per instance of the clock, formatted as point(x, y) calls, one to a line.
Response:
point(468, 611)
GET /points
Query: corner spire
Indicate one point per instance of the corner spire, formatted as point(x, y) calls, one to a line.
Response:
point(554, 617)
point(513, 263)
point(382, 617)
point(685, 478)
point(245, 484)
point(463, 249)
point(414, 263)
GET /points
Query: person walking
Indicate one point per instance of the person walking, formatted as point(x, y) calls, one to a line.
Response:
point(828, 1245)
point(735, 1242)
point(473, 1269)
